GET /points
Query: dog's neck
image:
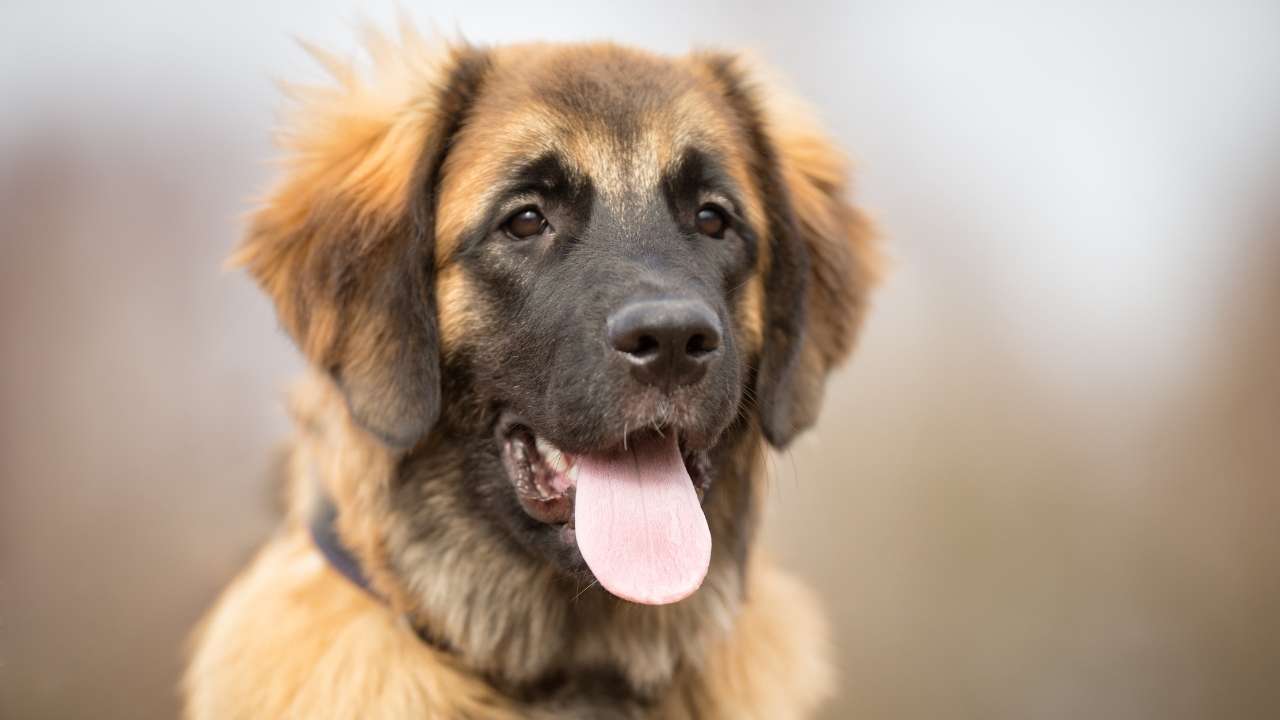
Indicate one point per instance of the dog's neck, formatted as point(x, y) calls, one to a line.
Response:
point(508, 616)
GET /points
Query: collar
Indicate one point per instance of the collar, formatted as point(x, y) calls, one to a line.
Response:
point(324, 534)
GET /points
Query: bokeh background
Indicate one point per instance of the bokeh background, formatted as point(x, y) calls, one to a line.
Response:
point(1046, 487)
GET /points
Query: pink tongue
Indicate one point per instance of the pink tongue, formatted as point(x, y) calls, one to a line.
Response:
point(639, 524)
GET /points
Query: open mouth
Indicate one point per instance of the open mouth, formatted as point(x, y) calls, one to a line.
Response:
point(545, 477)
point(633, 511)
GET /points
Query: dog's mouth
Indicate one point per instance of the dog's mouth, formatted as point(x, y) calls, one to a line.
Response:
point(633, 510)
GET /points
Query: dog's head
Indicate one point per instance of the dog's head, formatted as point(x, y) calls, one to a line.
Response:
point(587, 264)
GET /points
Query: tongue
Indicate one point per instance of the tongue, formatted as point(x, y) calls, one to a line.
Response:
point(638, 522)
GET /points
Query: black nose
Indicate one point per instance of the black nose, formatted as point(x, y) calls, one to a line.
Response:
point(668, 342)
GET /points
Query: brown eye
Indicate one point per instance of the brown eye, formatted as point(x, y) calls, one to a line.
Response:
point(525, 224)
point(711, 221)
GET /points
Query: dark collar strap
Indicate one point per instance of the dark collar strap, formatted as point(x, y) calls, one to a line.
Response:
point(324, 533)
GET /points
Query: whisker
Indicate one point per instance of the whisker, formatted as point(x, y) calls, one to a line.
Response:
point(583, 590)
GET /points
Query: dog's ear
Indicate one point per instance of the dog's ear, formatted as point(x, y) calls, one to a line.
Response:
point(344, 246)
point(822, 257)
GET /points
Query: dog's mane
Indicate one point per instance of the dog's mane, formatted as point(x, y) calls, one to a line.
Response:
point(523, 633)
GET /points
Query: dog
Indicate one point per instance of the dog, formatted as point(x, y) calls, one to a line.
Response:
point(557, 302)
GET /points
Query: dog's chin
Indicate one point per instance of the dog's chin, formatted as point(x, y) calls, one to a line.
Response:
point(543, 479)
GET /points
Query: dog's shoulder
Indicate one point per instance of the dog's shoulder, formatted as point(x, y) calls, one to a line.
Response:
point(290, 638)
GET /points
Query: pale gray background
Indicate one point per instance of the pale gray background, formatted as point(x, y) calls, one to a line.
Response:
point(1047, 487)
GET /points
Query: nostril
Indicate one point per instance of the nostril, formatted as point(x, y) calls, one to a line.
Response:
point(699, 345)
point(645, 346)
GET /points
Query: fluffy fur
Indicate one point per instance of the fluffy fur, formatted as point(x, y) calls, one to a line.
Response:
point(361, 248)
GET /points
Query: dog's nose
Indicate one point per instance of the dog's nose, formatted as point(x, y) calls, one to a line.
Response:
point(669, 343)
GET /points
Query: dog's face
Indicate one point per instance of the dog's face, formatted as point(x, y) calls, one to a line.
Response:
point(587, 266)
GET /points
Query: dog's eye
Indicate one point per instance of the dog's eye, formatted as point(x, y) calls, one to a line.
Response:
point(711, 221)
point(525, 224)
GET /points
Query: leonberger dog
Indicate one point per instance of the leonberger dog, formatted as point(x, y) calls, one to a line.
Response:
point(558, 301)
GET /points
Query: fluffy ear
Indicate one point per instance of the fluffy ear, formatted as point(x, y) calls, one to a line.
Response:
point(344, 244)
point(823, 260)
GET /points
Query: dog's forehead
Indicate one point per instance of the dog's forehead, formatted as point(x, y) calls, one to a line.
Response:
point(617, 117)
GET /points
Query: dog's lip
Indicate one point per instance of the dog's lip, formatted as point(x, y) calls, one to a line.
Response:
point(544, 477)
point(539, 474)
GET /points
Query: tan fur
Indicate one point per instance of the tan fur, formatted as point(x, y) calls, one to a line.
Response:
point(352, 152)
point(290, 638)
point(453, 291)
point(520, 122)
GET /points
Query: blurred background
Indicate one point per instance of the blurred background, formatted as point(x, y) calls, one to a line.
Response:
point(1047, 486)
